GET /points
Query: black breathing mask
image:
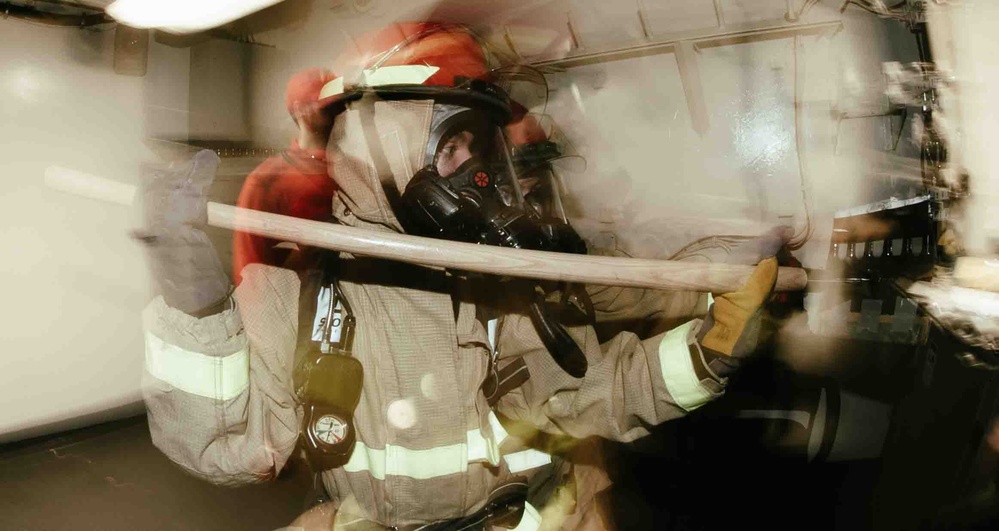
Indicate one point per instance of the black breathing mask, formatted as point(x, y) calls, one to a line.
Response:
point(481, 201)
point(467, 206)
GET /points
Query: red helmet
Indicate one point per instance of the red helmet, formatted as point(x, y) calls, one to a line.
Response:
point(305, 86)
point(444, 62)
point(451, 49)
point(441, 55)
point(412, 53)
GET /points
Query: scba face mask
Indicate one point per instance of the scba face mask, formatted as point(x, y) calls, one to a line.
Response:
point(469, 189)
point(463, 192)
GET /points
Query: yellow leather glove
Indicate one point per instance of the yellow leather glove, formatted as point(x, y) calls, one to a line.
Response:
point(732, 326)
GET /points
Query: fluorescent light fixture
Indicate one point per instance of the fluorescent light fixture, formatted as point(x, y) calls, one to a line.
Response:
point(183, 16)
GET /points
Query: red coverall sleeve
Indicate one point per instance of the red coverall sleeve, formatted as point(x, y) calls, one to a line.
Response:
point(280, 187)
point(258, 193)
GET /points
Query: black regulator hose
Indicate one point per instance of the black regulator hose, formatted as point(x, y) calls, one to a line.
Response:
point(562, 348)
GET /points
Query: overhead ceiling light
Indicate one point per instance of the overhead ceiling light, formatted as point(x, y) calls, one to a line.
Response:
point(183, 16)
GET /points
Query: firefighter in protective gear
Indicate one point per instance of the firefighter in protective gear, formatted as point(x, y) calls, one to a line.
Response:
point(453, 367)
point(294, 183)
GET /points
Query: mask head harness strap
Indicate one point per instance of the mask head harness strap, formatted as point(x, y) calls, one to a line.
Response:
point(469, 93)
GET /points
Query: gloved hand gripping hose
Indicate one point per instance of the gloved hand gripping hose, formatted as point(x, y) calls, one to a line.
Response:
point(730, 331)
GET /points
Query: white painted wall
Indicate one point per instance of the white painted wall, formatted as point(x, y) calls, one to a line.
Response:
point(656, 184)
point(651, 180)
point(72, 282)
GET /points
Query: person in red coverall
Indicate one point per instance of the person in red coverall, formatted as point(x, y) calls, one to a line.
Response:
point(295, 183)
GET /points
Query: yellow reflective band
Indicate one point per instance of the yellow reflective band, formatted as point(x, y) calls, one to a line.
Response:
point(385, 75)
point(531, 521)
point(526, 460)
point(332, 88)
point(482, 448)
point(400, 461)
point(215, 377)
point(678, 370)
point(432, 462)
point(499, 435)
point(478, 446)
point(491, 333)
point(399, 75)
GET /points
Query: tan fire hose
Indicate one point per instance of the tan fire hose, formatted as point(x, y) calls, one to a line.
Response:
point(600, 270)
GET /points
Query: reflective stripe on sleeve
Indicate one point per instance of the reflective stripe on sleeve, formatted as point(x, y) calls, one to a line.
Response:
point(678, 370)
point(531, 521)
point(215, 377)
point(526, 460)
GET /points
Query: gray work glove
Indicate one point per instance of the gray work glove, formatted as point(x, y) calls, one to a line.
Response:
point(182, 260)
